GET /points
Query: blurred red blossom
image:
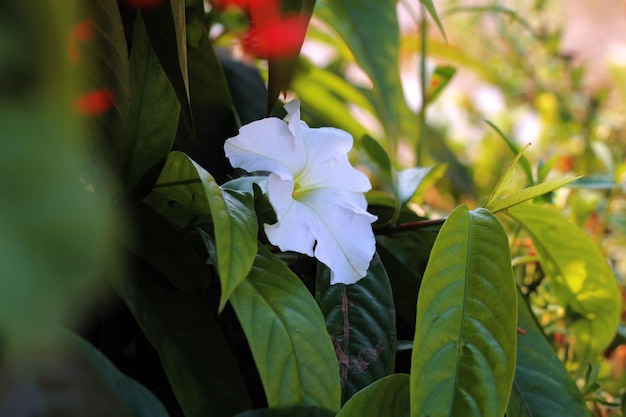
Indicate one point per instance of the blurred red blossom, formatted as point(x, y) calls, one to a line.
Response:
point(81, 32)
point(142, 4)
point(271, 34)
point(95, 102)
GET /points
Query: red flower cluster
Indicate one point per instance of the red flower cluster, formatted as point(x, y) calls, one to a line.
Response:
point(271, 34)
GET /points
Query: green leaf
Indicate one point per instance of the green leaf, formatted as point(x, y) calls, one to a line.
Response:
point(164, 248)
point(519, 155)
point(166, 28)
point(233, 215)
point(440, 78)
point(594, 182)
point(580, 277)
point(389, 397)
point(361, 321)
point(281, 70)
point(463, 357)
point(408, 181)
point(370, 29)
point(298, 410)
point(108, 68)
point(542, 386)
point(137, 399)
point(505, 202)
point(154, 114)
point(428, 4)
point(287, 336)
point(194, 353)
point(377, 153)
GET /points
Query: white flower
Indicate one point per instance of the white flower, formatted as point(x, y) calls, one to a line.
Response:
point(316, 193)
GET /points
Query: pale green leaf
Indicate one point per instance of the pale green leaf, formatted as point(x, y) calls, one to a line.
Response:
point(503, 203)
point(389, 397)
point(408, 181)
point(579, 274)
point(428, 4)
point(505, 182)
point(287, 335)
point(463, 357)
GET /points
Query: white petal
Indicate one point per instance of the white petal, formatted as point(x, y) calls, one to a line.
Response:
point(339, 227)
point(267, 145)
point(327, 164)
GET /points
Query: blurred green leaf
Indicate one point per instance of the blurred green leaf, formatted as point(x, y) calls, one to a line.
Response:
point(389, 397)
point(193, 351)
point(153, 114)
point(107, 67)
point(287, 335)
point(463, 358)
point(370, 29)
point(232, 212)
point(361, 321)
point(377, 153)
point(408, 181)
point(594, 182)
point(580, 277)
point(519, 155)
point(428, 4)
point(542, 386)
point(440, 78)
point(166, 28)
point(298, 410)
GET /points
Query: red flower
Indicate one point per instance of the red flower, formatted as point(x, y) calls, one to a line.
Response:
point(271, 34)
point(142, 4)
point(95, 102)
point(81, 32)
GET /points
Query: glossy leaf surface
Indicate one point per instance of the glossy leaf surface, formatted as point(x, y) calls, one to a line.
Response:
point(580, 276)
point(361, 321)
point(287, 334)
point(463, 357)
point(389, 397)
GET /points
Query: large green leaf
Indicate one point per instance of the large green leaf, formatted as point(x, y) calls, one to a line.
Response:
point(542, 386)
point(153, 114)
point(287, 334)
point(232, 212)
point(106, 59)
point(361, 320)
point(194, 353)
point(166, 28)
point(370, 29)
point(389, 397)
point(579, 274)
point(465, 338)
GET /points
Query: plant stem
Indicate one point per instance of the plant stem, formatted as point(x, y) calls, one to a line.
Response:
point(403, 227)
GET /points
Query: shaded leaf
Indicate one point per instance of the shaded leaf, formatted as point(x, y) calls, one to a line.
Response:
point(361, 321)
point(408, 181)
point(287, 335)
point(232, 212)
point(581, 278)
point(389, 397)
point(298, 410)
point(166, 28)
point(194, 354)
point(154, 114)
point(542, 386)
point(463, 358)
point(166, 250)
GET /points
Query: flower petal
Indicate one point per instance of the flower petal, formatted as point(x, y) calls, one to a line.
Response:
point(334, 226)
point(267, 145)
point(328, 164)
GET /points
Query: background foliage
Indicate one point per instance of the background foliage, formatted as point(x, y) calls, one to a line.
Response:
point(136, 280)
